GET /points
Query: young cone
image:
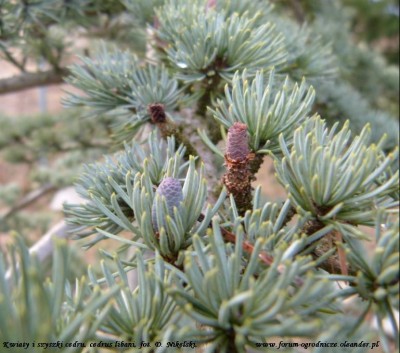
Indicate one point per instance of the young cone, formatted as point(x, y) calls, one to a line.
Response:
point(237, 177)
point(171, 189)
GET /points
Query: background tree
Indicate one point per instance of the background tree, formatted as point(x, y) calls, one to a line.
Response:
point(188, 100)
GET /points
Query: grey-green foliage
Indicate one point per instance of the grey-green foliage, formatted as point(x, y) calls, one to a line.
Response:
point(344, 103)
point(266, 221)
point(117, 82)
point(144, 314)
point(30, 138)
point(377, 280)
point(240, 300)
point(309, 55)
point(372, 86)
point(40, 29)
point(356, 94)
point(333, 23)
point(178, 224)
point(142, 11)
point(243, 304)
point(34, 308)
point(266, 108)
point(36, 140)
point(342, 331)
point(113, 71)
point(207, 43)
point(334, 178)
point(104, 185)
point(9, 193)
point(219, 282)
point(117, 79)
point(247, 7)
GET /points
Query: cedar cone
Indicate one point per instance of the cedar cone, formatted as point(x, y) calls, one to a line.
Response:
point(237, 146)
point(171, 189)
point(237, 177)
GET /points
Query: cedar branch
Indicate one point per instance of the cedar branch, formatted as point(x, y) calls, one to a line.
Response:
point(27, 80)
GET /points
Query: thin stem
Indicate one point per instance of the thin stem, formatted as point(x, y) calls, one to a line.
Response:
point(168, 128)
point(11, 58)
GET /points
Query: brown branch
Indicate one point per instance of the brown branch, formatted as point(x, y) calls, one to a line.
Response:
point(32, 79)
point(28, 200)
point(82, 144)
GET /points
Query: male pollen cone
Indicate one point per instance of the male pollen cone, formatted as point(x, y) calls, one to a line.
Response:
point(237, 147)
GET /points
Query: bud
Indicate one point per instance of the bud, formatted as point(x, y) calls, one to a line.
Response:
point(171, 189)
point(157, 113)
point(237, 145)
